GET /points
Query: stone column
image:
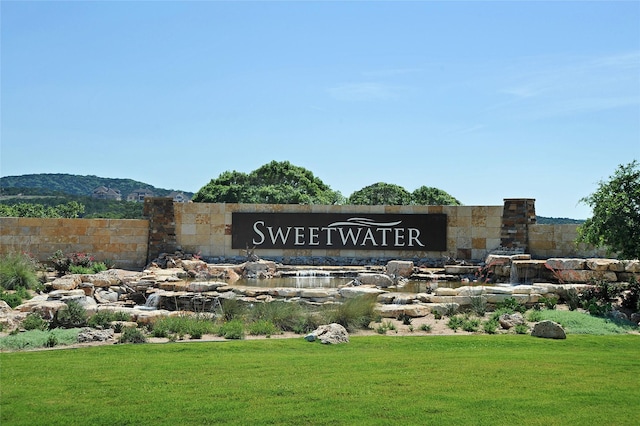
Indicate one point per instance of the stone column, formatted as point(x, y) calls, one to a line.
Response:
point(517, 215)
point(162, 226)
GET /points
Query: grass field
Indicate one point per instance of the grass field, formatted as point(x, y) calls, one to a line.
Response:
point(378, 380)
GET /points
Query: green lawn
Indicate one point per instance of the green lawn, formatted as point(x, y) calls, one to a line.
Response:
point(479, 380)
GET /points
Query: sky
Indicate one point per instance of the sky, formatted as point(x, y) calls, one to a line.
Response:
point(485, 100)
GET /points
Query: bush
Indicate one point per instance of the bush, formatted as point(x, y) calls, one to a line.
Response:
point(103, 319)
point(76, 263)
point(132, 335)
point(18, 270)
point(231, 309)
point(34, 321)
point(233, 329)
point(471, 324)
point(631, 297)
point(353, 314)
point(521, 329)
point(283, 315)
point(14, 299)
point(71, 316)
point(534, 316)
point(511, 305)
point(491, 326)
point(549, 302)
point(479, 305)
point(193, 325)
point(455, 322)
point(262, 328)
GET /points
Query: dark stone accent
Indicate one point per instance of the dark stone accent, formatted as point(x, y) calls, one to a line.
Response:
point(517, 215)
point(162, 226)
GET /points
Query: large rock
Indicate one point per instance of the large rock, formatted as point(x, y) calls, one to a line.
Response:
point(400, 268)
point(413, 311)
point(68, 282)
point(632, 265)
point(353, 292)
point(605, 265)
point(329, 334)
point(508, 321)
point(90, 335)
point(585, 276)
point(564, 264)
point(548, 330)
point(379, 280)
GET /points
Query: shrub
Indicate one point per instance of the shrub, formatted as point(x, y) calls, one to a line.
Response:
point(71, 316)
point(534, 316)
point(511, 305)
point(76, 263)
point(549, 302)
point(356, 313)
point(18, 270)
point(233, 329)
point(631, 297)
point(491, 326)
point(132, 335)
point(262, 328)
point(479, 305)
point(572, 299)
point(455, 322)
point(521, 329)
point(471, 324)
point(425, 327)
point(231, 309)
point(283, 315)
point(103, 319)
point(14, 299)
point(193, 325)
point(34, 321)
point(406, 319)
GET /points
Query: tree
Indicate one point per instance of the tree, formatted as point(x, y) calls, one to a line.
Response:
point(272, 183)
point(429, 196)
point(381, 194)
point(616, 213)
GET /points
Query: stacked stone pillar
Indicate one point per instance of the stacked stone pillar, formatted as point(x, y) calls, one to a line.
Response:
point(162, 226)
point(517, 215)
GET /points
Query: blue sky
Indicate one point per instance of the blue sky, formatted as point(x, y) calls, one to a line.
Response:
point(484, 100)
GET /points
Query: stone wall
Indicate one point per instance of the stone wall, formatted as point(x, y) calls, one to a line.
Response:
point(123, 241)
point(472, 231)
point(547, 241)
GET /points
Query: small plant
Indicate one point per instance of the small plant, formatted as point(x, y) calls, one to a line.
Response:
point(406, 319)
point(410, 328)
point(549, 302)
point(354, 314)
point(572, 299)
point(231, 309)
point(262, 328)
point(490, 327)
point(479, 305)
point(534, 316)
point(455, 322)
point(426, 327)
point(52, 341)
point(511, 305)
point(103, 319)
point(71, 316)
point(132, 335)
point(34, 321)
point(471, 324)
point(14, 299)
point(233, 329)
point(18, 270)
point(437, 315)
point(76, 263)
point(631, 297)
point(521, 329)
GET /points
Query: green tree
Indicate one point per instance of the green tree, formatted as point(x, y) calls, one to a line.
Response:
point(381, 194)
point(430, 196)
point(273, 183)
point(615, 224)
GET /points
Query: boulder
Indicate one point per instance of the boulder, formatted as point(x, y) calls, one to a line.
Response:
point(508, 321)
point(400, 268)
point(605, 265)
point(68, 282)
point(329, 334)
point(632, 265)
point(90, 335)
point(565, 264)
point(413, 311)
point(585, 276)
point(379, 280)
point(353, 292)
point(548, 330)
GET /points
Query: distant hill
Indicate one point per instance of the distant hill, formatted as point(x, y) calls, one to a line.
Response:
point(57, 183)
point(541, 220)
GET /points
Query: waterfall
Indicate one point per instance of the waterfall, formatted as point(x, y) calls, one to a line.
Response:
point(152, 301)
point(313, 273)
point(514, 276)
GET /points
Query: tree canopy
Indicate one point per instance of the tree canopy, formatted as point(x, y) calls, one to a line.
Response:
point(273, 183)
point(430, 196)
point(381, 194)
point(615, 224)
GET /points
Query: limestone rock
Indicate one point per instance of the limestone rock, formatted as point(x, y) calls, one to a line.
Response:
point(605, 265)
point(400, 268)
point(379, 280)
point(585, 276)
point(548, 330)
point(353, 292)
point(632, 266)
point(90, 335)
point(329, 334)
point(68, 282)
point(508, 321)
point(564, 264)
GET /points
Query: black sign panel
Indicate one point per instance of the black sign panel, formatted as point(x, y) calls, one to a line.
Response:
point(340, 231)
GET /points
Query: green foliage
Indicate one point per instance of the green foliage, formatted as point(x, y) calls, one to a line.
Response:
point(426, 327)
point(71, 210)
point(284, 316)
point(76, 263)
point(471, 324)
point(103, 319)
point(232, 309)
point(534, 316)
point(380, 194)
point(631, 297)
point(429, 196)
point(71, 316)
point(233, 329)
point(272, 183)
point(549, 302)
point(455, 322)
point(34, 321)
point(597, 299)
point(511, 305)
point(521, 329)
point(572, 299)
point(16, 297)
point(132, 335)
point(193, 325)
point(353, 314)
point(575, 322)
point(479, 305)
point(18, 270)
point(33, 339)
point(406, 319)
point(262, 328)
point(491, 326)
point(615, 224)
